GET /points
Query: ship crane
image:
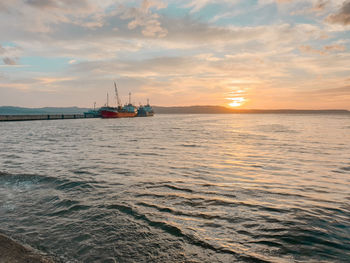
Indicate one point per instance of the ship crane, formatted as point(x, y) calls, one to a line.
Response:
point(116, 95)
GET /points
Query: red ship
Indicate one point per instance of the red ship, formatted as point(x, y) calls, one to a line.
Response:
point(128, 110)
point(116, 112)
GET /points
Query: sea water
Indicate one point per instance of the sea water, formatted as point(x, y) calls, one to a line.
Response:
point(179, 188)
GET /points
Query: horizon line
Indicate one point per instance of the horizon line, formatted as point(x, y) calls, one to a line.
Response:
point(188, 106)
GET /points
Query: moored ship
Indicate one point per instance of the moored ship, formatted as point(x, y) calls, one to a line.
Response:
point(118, 112)
point(145, 111)
point(93, 113)
point(126, 111)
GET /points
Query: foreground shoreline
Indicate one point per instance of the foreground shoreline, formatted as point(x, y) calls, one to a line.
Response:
point(13, 252)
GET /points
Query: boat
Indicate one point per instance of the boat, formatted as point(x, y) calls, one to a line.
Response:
point(145, 111)
point(126, 111)
point(115, 112)
point(93, 113)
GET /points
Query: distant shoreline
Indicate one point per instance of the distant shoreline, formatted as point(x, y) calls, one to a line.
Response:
point(10, 110)
point(224, 110)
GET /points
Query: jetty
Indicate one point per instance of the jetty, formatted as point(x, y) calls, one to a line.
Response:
point(44, 117)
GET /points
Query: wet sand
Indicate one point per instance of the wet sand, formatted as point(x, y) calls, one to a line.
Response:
point(13, 252)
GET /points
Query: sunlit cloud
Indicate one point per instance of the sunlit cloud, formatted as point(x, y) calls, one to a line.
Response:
point(48, 80)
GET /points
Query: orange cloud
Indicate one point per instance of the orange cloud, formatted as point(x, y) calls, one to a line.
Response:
point(326, 49)
point(335, 48)
point(310, 50)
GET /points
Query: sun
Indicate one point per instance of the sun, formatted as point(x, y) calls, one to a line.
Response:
point(236, 101)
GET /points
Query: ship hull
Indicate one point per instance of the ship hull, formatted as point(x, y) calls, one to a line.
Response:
point(116, 114)
point(145, 114)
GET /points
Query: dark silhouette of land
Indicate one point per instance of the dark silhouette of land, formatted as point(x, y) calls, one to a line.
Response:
point(224, 110)
point(10, 110)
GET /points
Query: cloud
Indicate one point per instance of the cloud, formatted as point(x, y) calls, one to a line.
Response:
point(139, 30)
point(51, 80)
point(337, 95)
point(319, 6)
point(10, 55)
point(335, 47)
point(59, 4)
point(326, 49)
point(9, 61)
point(310, 50)
point(342, 16)
point(40, 16)
point(267, 2)
point(82, 18)
point(42, 3)
point(335, 91)
point(175, 55)
point(2, 50)
point(194, 33)
point(136, 26)
point(197, 5)
point(143, 17)
point(3, 7)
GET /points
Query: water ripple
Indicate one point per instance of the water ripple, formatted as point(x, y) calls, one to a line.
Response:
point(179, 188)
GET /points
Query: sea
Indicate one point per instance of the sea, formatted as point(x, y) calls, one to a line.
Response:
point(179, 188)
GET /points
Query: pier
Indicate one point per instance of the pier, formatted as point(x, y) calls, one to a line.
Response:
point(44, 117)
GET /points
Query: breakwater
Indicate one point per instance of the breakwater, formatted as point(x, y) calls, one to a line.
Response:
point(43, 117)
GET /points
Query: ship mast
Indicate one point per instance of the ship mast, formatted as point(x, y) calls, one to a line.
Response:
point(129, 97)
point(116, 95)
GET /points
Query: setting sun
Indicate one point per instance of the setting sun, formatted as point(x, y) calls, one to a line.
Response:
point(237, 98)
point(236, 102)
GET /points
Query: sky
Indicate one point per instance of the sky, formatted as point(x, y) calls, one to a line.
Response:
point(254, 54)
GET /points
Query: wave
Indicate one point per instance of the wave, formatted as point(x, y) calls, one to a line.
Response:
point(36, 179)
point(70, 210)
point(172, 187)
point(178, 232)
point(24, 180)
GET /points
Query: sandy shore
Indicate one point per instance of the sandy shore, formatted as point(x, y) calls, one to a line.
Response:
point(13, 252)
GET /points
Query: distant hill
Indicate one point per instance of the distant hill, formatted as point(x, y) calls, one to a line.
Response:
point(192, 110)
point(9, 110)
point(224, 110)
